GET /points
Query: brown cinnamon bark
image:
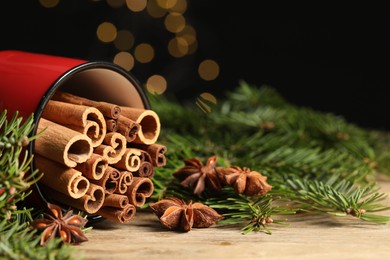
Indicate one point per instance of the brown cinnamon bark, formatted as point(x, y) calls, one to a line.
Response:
point(113, 147)
point(139, 190)
point(128, 128)
point(125, 179)
point(62, 144)
point(146, 170)
point(107, 109)
point(94, 167)
point(156, 152)
point(62, 178)
point(109, 181)
point(130, 161)
point(90, 203)
point(112, 125)
point(149, 122)
point(119, 215)
point(116, 201)
point(83, 119)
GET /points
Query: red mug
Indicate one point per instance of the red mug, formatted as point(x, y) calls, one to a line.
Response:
point(28, 81)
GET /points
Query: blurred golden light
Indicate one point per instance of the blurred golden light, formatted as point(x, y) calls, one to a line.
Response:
point(188, 33)
point(166, 4)
point(49, 3)
point(174, 22)
point(115, 3)
point(154, 9)
point(192, 47)
point(144, 53)
point(179, 7)
point(124, 40)
point(136, 5)
point(208, 70)
point(205, 101)
point(106, 32)
point(178, 47)
point(156, 84)
point(125, 60)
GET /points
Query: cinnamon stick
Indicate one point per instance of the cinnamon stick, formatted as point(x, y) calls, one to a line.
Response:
point(117, 214)
point(62, 144)
point(83, 119)
point(149, 122)
point(94, 167)
point(109, 181)
point(107, 109)
point(130, 160)
point(112, 148)
point(125, 179)
point(90, 203)
point(62, 178)
point(116, 201)
point(146, 170)
point(112, 125)
point(156, 152)
point(139, 190)
point(128, 128)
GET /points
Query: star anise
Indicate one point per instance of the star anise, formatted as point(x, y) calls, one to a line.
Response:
point(68, 227)
point(176, 214)
point(244, 181)
point(197, 176)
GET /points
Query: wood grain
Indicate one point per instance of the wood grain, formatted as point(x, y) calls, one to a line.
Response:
point(306, 237)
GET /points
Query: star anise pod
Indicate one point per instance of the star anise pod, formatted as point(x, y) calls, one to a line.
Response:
point(176, 214)
point(245, 181)
point(197, 176)
point(68, 227)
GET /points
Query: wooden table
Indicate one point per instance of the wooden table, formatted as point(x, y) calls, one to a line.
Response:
point(306, 237)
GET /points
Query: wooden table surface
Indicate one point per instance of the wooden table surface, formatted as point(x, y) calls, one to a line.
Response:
point(306, 237)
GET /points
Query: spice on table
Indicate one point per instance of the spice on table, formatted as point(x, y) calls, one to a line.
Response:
point(67, 226)
point(197, 176)
point(245, 181)
point(176, 214)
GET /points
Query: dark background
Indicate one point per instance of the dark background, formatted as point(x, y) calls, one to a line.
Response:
point(332, 61)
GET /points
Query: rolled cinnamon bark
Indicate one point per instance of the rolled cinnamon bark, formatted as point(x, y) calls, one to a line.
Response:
point(112, 125)
point(107, 109)
point(62, 178)
point(94, 167)
point(109, 181)
point(128, 128)
point(149, 122)
point(139, 190)
point(90, 203)
point(62, 144)
point(130, 160)
point(113, 147)
point(83, 119)
point(119, 215)
point(146, 170)
point(156, 152)
point(116, 201)
point(125, 179)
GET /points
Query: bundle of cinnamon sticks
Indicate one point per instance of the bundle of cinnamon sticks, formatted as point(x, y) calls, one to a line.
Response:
point(96, 156)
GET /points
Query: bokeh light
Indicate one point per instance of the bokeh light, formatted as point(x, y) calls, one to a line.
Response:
point(116, 3)
point(156, 84)
point(205, 101)
point(125, 60)
point(166, 4)
point(179, 7)
point(124, 40)
point(154, 10)
point(144, 53)
point(106, 32)
point(49, 3)
point(178, 47)
point(136, 5)
point(208, 69)
point(174, 22)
